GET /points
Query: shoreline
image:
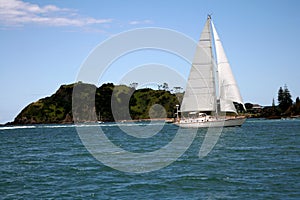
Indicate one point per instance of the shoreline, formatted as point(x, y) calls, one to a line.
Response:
point(166, 120)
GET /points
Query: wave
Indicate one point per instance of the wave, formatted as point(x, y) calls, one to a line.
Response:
point(15, 127)
point(248, 148)
point(110, 124)
point(34, 127)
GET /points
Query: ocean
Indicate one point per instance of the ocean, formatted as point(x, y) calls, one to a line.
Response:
point(260, 160)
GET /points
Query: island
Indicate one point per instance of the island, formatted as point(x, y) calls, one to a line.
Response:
point(57, 108)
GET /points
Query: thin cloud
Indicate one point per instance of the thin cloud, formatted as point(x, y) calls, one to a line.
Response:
point(140, 22)
point(20, 13)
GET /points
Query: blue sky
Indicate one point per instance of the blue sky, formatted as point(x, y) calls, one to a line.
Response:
point(44, 43)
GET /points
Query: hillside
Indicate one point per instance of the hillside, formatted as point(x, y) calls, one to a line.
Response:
point(54, 109)
point(58, 107)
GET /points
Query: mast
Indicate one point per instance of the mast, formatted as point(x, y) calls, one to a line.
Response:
point(215, 67)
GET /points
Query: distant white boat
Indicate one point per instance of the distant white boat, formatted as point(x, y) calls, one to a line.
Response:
point(211, 88)
point(99, 119)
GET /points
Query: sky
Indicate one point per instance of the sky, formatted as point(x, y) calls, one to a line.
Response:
point(43, 43)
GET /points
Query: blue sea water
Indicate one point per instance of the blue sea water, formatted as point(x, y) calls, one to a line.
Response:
point(260, 160)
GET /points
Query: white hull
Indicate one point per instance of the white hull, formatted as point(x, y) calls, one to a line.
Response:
point(216, 123)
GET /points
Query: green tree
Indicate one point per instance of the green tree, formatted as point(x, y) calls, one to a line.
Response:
point(248, 106)
point(284, 99)
point(280, 95)
point(297, 100)
point(165, 86)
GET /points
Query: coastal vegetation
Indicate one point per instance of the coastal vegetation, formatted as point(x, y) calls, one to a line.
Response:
point(129, 102)
point(58, 107)
point(284, 109)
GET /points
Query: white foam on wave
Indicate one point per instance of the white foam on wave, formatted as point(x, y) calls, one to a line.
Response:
point(15, 127)
point(82, 125)
point(57, 126)
point(34, 126)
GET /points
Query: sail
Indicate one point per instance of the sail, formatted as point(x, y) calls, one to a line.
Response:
point(228, 89)
point(200, 90)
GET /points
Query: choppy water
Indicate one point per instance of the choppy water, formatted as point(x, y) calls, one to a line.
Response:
point(260, 160)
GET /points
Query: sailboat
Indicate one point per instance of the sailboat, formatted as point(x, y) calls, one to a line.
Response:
point(211, 92)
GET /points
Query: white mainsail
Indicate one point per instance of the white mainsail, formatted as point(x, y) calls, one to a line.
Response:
point(228, 88)
point(200, 93)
